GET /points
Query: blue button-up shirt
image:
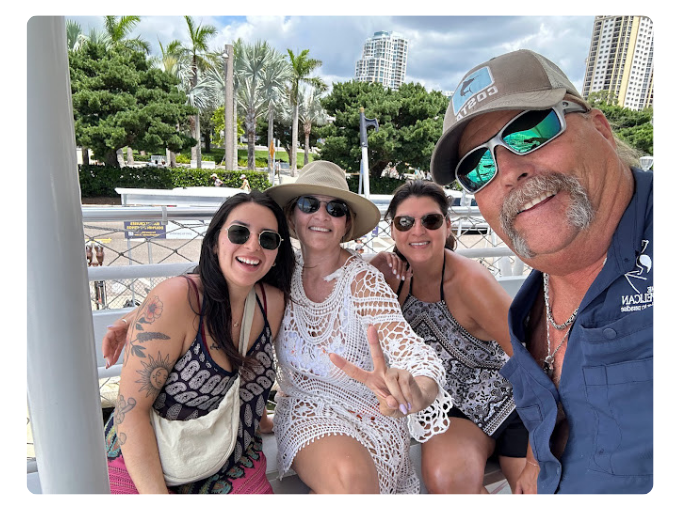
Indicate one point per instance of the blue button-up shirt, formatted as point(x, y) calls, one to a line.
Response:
point(606, 382)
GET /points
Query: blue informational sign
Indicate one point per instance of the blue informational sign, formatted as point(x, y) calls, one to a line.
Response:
point(144, 229)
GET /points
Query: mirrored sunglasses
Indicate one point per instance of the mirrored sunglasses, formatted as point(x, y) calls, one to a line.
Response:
point(268, 239)
point(335, 208)
point(525, 133)
point(429, 221)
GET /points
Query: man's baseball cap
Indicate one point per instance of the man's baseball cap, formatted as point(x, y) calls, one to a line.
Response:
point(520, 80)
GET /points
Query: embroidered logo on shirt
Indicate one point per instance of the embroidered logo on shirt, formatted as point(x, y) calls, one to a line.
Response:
point(636, 279)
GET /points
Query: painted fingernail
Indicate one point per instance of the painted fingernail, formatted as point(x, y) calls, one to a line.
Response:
point(409, 405)
point(402, 408)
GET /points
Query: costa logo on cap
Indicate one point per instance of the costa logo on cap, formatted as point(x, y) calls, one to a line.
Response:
point(474, 88)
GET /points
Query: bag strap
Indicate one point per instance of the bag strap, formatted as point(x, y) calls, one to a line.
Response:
point(247, 322)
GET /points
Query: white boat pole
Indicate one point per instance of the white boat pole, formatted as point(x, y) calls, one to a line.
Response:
point(63, 393)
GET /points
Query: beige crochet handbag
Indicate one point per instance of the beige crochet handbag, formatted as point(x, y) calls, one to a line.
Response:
point(196, 449)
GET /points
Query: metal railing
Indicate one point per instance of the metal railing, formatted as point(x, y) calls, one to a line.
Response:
point(127, 237)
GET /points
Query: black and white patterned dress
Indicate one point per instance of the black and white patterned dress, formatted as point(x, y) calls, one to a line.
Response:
point(472, 365)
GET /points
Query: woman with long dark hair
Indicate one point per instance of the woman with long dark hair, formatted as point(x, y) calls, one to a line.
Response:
point(183, 354)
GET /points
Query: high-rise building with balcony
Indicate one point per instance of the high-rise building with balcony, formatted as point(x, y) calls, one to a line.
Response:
point(383, 60)
point(621, 60)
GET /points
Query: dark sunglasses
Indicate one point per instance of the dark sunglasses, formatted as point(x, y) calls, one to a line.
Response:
point(528, 131)
point(335, 208)
point(268, 239)
point(429, 221)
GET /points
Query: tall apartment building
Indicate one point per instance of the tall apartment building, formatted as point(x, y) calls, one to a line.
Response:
point(621, 60)
point(383, 60)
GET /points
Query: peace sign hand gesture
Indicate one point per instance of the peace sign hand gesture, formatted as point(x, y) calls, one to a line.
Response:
point(397, 390)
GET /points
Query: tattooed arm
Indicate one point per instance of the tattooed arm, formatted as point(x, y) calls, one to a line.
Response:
point(159, 334)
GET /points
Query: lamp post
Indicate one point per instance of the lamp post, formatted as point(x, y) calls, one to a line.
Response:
point(363, 138)
point(229, 146)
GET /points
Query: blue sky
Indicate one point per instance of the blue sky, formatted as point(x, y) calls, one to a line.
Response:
point(441, 48)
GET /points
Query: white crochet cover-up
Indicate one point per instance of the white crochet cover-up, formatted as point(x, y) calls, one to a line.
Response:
point(317, 399)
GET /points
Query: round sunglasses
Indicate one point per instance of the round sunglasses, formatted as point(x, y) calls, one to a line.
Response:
point(335, 208)
point(429, 221)
point(268, 239)
point(525, 133)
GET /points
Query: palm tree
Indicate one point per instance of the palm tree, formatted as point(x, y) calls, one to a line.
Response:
point(74, 35)
point(201, 59)
point(173, 62)
point(311, 114)
point(250, 64)
point(119, 28)
point(302, 66)
point(276, 76)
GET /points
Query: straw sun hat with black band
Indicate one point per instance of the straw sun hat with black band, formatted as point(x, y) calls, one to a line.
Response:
point(326, 178)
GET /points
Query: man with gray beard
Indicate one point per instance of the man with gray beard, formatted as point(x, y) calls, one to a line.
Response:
point(554, 183)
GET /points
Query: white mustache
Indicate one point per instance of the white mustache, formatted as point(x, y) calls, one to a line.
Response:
point(537, 189)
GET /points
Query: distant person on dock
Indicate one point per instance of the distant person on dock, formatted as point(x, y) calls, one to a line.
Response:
point(245, 185)
point(216, 180)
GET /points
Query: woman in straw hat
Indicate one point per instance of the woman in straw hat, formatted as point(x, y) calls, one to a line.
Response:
point(343, 342)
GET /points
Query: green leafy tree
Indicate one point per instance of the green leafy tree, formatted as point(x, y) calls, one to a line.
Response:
point(639, 137)
point(120, 101)
point(218, 126)
point(632, 126)
point(410, 123)
point(420, 121)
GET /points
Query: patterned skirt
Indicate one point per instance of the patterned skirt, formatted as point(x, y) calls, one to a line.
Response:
point(248, 475)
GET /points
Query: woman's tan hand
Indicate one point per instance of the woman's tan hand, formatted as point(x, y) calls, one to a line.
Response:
point(395, 388)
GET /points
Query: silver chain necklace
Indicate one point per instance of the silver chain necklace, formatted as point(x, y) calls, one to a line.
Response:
point(549, 360)
point(548, 310)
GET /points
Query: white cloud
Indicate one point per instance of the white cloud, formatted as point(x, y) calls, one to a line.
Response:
point(441, 48)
